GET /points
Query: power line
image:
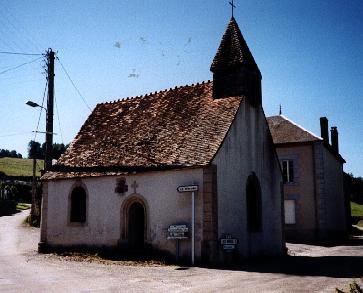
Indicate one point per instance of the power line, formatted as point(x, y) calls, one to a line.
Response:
point(20, 53)
point(79, 93)
point(15, 134)
point(26, 34)
point(16, 67)
point(59, 124)
point(41, 109)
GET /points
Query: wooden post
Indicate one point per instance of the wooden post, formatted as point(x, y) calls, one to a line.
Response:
point(34, 190)
point(50, 105)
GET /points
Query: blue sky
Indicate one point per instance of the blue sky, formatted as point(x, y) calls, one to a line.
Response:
point(310, 54)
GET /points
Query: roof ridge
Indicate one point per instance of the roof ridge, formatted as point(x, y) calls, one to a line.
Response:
point(121, 100)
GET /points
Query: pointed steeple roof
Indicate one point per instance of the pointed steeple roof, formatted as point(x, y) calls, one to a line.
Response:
point(233, 50)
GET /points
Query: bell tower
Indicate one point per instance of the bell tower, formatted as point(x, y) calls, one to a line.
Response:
point(235, 72)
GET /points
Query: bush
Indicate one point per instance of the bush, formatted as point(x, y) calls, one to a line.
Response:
point(7, 207)
point(353, 288)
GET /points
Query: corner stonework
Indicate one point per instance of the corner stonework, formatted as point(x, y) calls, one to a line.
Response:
point(210, 215)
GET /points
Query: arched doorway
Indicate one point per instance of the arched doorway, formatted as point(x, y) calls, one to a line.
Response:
point(136, 225)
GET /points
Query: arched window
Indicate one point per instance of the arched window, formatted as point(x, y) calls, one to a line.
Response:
point(78, 205)
point(254, 206)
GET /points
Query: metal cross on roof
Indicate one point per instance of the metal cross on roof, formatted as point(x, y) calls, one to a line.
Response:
point(232, 5)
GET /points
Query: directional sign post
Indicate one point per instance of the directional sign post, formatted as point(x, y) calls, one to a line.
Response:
point(192, 189)
point(178, 232)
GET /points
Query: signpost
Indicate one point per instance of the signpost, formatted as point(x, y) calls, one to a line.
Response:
point(192, 189)
point(178, 232)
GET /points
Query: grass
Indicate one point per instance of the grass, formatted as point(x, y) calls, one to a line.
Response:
point(22, 206)
point(357, 209)
point(19, 167)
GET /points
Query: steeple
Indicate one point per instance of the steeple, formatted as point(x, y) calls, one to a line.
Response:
point(235, 72)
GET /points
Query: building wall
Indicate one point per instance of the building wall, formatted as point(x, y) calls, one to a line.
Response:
point(105, 215)
point(248, 148)
point(330, 194)
point(301, 191)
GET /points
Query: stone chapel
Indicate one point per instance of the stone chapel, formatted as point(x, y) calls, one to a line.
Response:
point(116, 186)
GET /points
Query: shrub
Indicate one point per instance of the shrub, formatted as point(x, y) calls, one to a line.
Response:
point(353, 288)
point(7, 207)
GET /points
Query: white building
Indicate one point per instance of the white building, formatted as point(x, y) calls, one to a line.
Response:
point(116, 185)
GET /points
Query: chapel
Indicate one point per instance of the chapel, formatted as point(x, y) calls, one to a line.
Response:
point(189, 171)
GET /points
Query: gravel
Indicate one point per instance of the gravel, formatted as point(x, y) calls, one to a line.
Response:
point(309, 268)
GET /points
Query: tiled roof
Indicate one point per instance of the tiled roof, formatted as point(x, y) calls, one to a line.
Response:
point(233, 50)
point(284, 130)
point(180, 127)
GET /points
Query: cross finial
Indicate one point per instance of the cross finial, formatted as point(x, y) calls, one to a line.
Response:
point(280, 112)
point(134, 186)
point(232, 5)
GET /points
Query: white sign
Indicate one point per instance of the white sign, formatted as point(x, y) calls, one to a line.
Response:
point(178, 228)
point(178, 231)
point(187, 188)
point(229, 247)
point(229, 241)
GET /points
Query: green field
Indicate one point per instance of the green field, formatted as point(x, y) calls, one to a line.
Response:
point(19, 167)
point(357, 209)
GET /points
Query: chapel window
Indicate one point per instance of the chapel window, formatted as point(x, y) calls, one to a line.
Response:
point(78, 205)
point(288, 171)
point(254, 205)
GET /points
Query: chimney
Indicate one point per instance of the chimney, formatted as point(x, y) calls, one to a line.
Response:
point(324, 129)
point(334, 139)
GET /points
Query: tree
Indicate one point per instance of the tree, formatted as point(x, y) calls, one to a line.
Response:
point(35, 150)
point(58, 149)
point(353, 188)
point(10, 154)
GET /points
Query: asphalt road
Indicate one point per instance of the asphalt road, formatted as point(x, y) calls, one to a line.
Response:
point(311, 269)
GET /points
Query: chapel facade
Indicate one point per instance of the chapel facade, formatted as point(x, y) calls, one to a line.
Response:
point(116, 186)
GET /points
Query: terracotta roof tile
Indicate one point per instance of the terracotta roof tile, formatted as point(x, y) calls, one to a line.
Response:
point(180, 127)
point(284, 130)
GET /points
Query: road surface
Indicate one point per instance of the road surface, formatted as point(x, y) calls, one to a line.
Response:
point(311, 269)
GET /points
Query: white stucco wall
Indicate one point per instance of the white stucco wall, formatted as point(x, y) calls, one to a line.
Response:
point(248, 148)
point(165, 206)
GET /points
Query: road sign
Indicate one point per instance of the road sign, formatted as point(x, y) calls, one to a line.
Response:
point(178, 228)
point(178, 231)
point(229, 241)
point(229, 247)
point(188, 188)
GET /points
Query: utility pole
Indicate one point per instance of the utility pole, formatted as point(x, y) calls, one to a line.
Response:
point(50, 105)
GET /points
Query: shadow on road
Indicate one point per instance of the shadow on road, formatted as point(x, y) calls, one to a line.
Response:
point(327, 266)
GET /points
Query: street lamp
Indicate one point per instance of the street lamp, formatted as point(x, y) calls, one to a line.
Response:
point(34, 105)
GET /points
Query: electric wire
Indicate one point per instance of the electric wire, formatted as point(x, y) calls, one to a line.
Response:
point(18, 66)
point(70, 79)
point(8, 15)
point(20, 53)
point(41, 109)
point(59, 123)
point(15, 134)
